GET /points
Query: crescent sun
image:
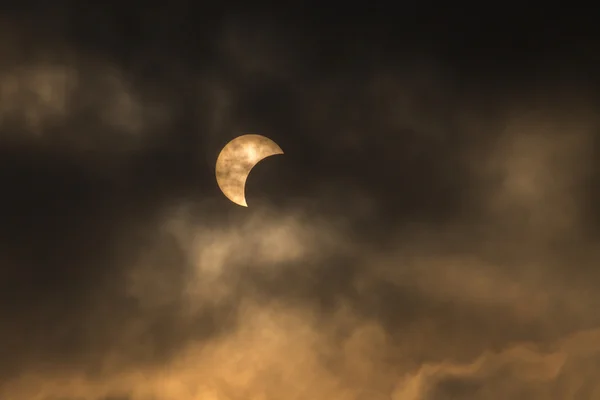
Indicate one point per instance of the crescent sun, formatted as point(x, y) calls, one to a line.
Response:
point(237, 159)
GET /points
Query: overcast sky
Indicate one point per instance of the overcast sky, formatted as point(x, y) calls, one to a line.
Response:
point(430, 233)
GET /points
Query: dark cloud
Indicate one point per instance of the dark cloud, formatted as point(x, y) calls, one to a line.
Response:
point(429, 233)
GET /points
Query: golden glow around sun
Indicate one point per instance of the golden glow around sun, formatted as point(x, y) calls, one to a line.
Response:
point(237, 159)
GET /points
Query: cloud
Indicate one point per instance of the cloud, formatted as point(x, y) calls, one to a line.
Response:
point(421, 239)
point(521, 371)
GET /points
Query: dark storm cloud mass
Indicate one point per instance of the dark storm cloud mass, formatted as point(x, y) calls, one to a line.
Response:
point(430, 233)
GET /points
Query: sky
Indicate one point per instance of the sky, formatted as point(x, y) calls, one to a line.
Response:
point(430, 233)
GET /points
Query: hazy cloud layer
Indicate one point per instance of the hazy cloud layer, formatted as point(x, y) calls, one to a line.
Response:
point(425, 236)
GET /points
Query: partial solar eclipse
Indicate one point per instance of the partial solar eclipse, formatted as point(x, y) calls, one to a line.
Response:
point(237, 159)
